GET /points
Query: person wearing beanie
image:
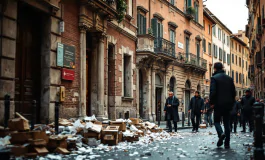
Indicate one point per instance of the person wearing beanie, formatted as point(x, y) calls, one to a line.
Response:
point(222, 99)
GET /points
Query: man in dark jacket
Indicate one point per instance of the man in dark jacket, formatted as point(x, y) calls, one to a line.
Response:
point(208, 113)
point(234, 115)
point(222, 99)
point(247, 110)
point(171, 110)
point(196, 108)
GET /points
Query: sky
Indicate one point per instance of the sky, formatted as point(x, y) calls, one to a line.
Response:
point(232, 13)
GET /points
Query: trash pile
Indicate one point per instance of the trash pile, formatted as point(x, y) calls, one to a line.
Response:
point(77, 136)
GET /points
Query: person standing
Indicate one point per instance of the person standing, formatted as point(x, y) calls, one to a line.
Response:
point(234, 115)
point(171, 111)
point(196, 108)
point(208, 113)
point(222, 99)
point(247, 110)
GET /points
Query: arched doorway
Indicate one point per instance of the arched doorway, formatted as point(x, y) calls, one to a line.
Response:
point(187, 96)
point(172, 83)
point(159, 89)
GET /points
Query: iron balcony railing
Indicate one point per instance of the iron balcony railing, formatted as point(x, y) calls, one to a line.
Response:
point(192, 59)
point(164, 46)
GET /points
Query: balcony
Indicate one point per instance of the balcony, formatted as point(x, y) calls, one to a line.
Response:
point(191, 61)
point(164, 48)
point(189, 13)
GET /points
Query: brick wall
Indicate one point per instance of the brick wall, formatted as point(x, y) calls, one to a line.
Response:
point(71, 36)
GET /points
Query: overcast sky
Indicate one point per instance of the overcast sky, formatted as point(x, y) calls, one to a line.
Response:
point(233, 13)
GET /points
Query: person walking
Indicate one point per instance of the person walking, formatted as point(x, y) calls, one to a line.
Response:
point(171, 111)
point(234, 115)
point(222, 99)
point(247, 110)
point(196, 108)
point(208, 112)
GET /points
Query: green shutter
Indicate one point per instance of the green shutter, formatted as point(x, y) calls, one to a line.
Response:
point(189, 3)
point(161, 30)
point(144, 25)
point(154, 27)
point(139, 23)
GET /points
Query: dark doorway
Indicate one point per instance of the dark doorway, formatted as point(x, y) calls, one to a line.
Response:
point(172, 84)
point(111, 79)
point(28, 60)
point(89, 54)
point(187, 96)
point(141, 95)
point(158, 103)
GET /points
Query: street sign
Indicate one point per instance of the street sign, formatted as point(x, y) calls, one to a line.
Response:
point(68, 74)
point(65, 56)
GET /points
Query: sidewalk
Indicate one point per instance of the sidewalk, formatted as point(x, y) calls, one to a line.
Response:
point(163, 125)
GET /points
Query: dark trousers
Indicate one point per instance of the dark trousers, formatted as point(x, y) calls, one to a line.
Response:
point(248, 117)
point(208, 119)
point(170, 125)
point(233, 121)
point(226, 120)
point(196, 123)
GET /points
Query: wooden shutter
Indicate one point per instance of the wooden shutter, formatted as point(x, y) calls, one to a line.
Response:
point(144, 25)
point(139, 22)
point(154, 27)
point(189, 3)
point(161, 30)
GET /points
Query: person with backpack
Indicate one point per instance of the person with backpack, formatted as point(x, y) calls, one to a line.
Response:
point(222, 99)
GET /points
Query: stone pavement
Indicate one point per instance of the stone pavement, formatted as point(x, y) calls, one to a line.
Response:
point(186, 145)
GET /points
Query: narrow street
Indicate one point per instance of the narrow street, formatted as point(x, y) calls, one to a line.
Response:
point(184, 145)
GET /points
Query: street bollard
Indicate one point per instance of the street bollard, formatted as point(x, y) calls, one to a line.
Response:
point(7, 110)
point(159, 114)
point(56, 119)
point(183, 119)
point(33, 117)
point(188, 119)
point(258, 143)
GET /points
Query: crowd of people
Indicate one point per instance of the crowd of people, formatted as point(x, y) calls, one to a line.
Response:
point(221, 107)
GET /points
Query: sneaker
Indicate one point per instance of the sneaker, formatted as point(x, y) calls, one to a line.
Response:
point(220, 141)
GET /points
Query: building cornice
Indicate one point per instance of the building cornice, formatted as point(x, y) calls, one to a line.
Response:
point(122, 31)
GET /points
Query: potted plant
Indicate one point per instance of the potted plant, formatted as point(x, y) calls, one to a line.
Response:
point(121, 10)
point(190, 11)
point(150, 31)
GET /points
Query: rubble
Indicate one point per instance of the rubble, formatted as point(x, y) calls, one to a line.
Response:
point(79, 136)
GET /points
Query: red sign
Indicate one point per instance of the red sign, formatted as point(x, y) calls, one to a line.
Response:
point(68, 74)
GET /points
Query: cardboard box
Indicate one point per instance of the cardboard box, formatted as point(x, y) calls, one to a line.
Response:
point(135, 120)
point(20, 137)
point(57, 141)
point(111, 142)
point(37, 142)
point(202, 125)
point(131, 139)
point(120, 137)
point(62, 150)
point(91, 134)
point(108, 137)
point(19, 150)
point(156, 130)
point(40, 135)
point(18, 124)
point(122, 125)
point(31, 155)
point(42, 151)
point(98, 122)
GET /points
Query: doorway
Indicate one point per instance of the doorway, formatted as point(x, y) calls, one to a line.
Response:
point(141, 95)
point(187, 96)
point(111, 80)
point(28, 60)
point(158, 99)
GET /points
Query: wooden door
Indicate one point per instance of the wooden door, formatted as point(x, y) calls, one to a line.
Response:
point(28, 72)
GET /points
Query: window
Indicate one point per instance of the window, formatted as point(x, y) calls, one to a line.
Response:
point(141, 24)
point(127, 76)
point(236, 77)
point(228, 40)
point(224, 38)
point(240, 78)
point(239, 62)
point(220, 54)
point(236, 46)
point(209, 29)
point(204, 24)
point(233, 58)
point(187, 45)
point(187, 3)
point(157, 28)
point(236, 60)
point(204, 45)
point(224, 57)
point(219, 34)
point(172, 36)
point(196, 7)
point(210, 70)
point(214, 30)
point(243, 50)
point(240, 48)
point(233, 75)
point(209, 48)
point(232, 44)
point(215, 50)
point(228, 59)
point(243, 63)
point(172, 2)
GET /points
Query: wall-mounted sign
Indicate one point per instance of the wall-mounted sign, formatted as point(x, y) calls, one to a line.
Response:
point(180, 45)
point(68, 74)
point(65, 56)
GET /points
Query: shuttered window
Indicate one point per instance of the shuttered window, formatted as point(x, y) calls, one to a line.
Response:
point(204, 45)
point(224, 57)
point(172, 36)
point(141, 24)
point(233, 58)
point(220, 54)
point(228, 59)
point(172, 2)
point(209, 48)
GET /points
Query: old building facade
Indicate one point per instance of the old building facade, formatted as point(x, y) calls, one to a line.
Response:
point(169, 53)
point(255, 33)
point(97, 67)
point(208, 23)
